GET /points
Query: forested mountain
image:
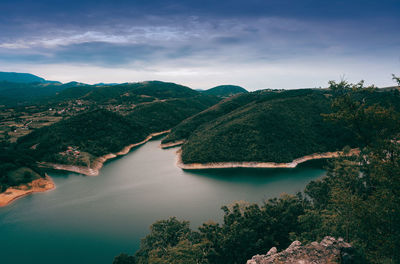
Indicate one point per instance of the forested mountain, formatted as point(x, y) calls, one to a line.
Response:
point(13, 93)
point(225, 90)
point(278, 128)
point(271, 126)
point(154, 89)
point(21, 78)
point(125, 93)
point(99, 132)
point(186, 127)
point(19, 93)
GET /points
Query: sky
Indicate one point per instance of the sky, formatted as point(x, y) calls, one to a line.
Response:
point(257, 44)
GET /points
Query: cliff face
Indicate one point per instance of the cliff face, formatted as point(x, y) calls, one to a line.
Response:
point(328, 251)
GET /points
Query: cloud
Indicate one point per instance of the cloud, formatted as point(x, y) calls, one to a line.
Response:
point(199, 43)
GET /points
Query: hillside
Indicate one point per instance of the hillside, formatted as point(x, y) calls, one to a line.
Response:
point(19, 93)
point(128, 91)
point(185, 128)
point(225, 90)
point(20, 77)
point(99, 132)
point(271, 127)
point(163, 115)
point(72, 92)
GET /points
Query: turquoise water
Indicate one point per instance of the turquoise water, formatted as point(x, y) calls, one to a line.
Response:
point(92, 219)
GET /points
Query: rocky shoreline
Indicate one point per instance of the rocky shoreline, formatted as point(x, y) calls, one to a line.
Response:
point(225, 165)
point(16, 192)
point(173, 144)
point(95, 167)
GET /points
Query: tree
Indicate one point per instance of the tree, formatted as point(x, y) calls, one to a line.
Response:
point(164, 234)
point(124, 259)
point(362, 192)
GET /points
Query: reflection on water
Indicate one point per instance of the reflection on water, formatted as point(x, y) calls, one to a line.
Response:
point(92, 219)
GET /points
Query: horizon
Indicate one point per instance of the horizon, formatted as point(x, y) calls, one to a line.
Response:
point(256, 45)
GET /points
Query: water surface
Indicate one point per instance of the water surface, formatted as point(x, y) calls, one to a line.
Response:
point(92, 219)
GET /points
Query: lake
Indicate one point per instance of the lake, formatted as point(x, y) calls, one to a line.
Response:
point(92, 219)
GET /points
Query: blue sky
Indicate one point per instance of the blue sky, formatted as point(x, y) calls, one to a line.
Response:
point(253, 43)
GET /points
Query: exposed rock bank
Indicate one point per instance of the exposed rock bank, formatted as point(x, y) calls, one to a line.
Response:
point(172, 144)
point(328, 251)
point(13, 193)
point(254, 164)
point(94, 168)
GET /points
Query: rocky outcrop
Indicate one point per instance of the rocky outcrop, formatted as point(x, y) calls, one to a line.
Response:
point(328, 251)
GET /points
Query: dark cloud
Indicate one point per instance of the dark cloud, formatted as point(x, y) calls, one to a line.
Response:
point(177, 33)
point(287, 8)
point(104, 54)
point(96, 53)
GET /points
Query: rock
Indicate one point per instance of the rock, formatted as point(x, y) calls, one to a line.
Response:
point(272, 251)
point(328, 251)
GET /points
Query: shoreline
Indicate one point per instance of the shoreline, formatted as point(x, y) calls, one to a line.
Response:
point(37, 186)
point(172, 144)
point(98, 163)
point(254, 164)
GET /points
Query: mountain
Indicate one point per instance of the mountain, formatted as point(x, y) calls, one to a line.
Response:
point(186, 127)
point(127, 91)
point(163, 115)
point(13, 93)
point(273, 127)
point(100, 132)
point(225, 90)
point(22, 78)
point(267, 126)
point(72, 91)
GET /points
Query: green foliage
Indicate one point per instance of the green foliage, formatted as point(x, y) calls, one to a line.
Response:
point(16, 168)
point(225, 90)
point(360, 198)
point(98, 132)
point(163, 115)
point(246, 230)
point(20, 77)
point(73, 92)
point(167, 239)
point(185, 128)
point(12, 94)
point(396, 79)
point(154, 89)
point(273, 127)
point(371, 115)
point(124, 259)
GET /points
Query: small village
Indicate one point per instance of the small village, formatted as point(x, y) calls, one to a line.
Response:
point(17, 122)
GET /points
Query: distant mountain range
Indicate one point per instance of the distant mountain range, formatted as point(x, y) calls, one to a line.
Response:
point(24, 88)
point(17, 77)
point(225, 90)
